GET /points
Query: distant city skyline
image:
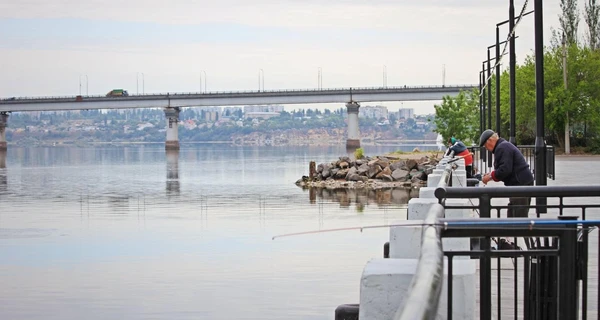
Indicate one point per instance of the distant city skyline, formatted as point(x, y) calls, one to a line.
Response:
point(73, 47)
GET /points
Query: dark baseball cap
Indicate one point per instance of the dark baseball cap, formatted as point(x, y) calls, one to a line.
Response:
point(485, 136)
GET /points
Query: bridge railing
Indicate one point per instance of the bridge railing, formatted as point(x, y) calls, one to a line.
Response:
point(347, 89)
point(553, 277)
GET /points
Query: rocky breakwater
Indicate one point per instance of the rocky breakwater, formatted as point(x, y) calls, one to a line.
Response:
point(378, 172)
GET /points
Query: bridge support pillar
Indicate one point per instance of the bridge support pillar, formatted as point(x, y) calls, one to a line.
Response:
point(172, 142)
point(3, 125)
point(353, 141)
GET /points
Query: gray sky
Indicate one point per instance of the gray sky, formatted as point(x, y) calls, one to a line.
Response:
point(46, 47)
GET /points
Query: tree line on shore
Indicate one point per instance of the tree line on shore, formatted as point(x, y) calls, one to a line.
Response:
point(571, 90)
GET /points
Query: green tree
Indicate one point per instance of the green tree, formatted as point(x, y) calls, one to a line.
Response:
point(458, 117)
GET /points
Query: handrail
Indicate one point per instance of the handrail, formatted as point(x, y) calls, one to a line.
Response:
point(426, 286)
point(524, 191)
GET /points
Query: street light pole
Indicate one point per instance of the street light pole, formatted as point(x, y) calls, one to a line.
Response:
point(443, 75)
point(540, 145)
point(384, 76)
point(482, 97)
point(86, 84)
point(497, 80)
point(512, 73)
point(201, 72)
point(319, 79)
point(143, 83)
point(137, 83)
point(261, 72)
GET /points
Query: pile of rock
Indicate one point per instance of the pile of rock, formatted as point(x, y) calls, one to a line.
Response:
point(374, 173)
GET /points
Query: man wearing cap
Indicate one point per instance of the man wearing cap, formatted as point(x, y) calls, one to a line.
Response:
point(511, 168)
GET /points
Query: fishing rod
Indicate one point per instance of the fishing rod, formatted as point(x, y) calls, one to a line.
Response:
point(530, 224)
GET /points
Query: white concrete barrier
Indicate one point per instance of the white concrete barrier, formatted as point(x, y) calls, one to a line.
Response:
point(385, 285)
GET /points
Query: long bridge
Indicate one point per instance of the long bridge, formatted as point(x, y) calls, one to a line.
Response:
point(172, 102)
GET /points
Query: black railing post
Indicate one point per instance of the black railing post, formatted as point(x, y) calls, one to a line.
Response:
point(498, 80)
point(489, 102)
point(512, 72)
point(483, 151)
point(481, 126)
point(567, 275)
point(540, 144)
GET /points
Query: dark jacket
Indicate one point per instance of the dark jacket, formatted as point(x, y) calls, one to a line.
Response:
point(510, 166)
point(457, 147)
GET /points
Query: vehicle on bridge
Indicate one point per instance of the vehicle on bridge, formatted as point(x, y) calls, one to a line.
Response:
point(117, 93)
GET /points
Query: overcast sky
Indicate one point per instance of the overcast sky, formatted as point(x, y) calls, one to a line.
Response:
point(48, 47)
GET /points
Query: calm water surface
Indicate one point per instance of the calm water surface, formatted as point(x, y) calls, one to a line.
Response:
point(135, 233)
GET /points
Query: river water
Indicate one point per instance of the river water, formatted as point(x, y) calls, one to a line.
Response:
point(136, 233)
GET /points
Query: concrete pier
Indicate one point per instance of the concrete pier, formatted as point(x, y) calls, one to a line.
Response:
point(353, 141)
point(172, 142)
point(3, 125)
point(385, 283)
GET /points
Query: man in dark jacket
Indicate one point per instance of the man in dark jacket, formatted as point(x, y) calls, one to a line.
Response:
point(511, 168)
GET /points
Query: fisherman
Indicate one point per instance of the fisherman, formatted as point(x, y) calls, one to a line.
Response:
point(460, 150)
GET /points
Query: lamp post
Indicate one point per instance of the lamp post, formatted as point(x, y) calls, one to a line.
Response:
point(261, 72)
point(143, 83)
point(384, 76)
point(486, 121)
point(201, 72)
point(137, 83)
point(512, 63)
point(86, 84)
point(320, 79)
point(443, 75)
point(540, 145)
point(497, 65)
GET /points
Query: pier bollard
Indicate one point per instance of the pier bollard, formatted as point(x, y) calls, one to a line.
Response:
point(347, 312)
point(386, 250)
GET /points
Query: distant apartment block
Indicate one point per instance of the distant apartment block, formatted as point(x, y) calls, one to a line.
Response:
point(263, 115)
point(406, 113)
point(375, 112)
point(263, 108)
point(211, 116)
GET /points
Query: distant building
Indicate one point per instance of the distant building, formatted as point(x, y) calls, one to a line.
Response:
point(263, 115)
point(406, 113)
point(263, 108)
point(373, 112)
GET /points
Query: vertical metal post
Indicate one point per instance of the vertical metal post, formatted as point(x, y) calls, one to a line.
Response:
point(485, 266)
point(512, 72)
point(567, 278)
point(497, 80)
point(489, 111)
point(481, 123)
point(483, 151)
point(540, 144)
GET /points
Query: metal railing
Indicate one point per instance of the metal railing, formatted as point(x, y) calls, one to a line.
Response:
point(426, 285)
point(480, 159)
point(550, 278)
point(354, 89)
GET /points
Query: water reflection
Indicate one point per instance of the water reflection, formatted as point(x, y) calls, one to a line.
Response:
point(173, 172)
point(3, 173)
point(363, 197)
